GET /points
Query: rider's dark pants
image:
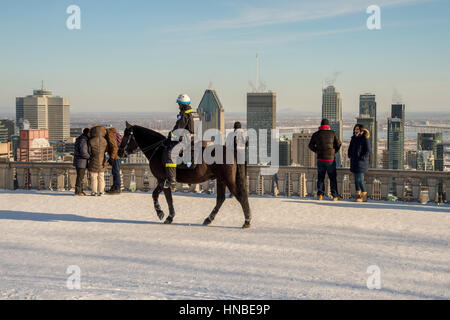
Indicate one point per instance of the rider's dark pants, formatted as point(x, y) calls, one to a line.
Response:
point(169, 164)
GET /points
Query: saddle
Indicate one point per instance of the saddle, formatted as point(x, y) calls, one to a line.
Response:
point(191, 165)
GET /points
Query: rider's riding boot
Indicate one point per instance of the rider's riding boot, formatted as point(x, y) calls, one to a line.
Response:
point(171, 171)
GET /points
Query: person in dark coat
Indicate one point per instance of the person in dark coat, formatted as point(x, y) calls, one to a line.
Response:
point(80, 161)
point(97, 162)
point(325, 143)
point(359, 152)
point(114, 140)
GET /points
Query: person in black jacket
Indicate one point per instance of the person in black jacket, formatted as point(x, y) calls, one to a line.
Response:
point(359, 152)
point(80, 160)
point(325, 143)
point(185, 120)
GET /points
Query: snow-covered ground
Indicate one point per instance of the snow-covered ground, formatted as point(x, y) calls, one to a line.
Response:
point(296, 249)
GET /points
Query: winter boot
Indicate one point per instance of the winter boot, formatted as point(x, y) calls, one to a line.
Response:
point(364, 196)
point(358, 197)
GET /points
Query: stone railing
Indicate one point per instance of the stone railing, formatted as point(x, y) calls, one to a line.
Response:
point(420, 186)
point(381, 184)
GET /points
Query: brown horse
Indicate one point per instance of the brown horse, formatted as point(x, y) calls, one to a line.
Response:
point(227, 175)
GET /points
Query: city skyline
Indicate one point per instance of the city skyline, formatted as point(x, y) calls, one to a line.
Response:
point(131, 59)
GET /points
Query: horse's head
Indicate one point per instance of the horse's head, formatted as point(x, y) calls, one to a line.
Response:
point(128, 145)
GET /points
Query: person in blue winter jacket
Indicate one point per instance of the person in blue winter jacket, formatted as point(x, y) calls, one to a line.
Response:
point(359, 154)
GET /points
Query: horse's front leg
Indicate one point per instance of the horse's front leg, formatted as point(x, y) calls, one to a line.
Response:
point(155, 196)
point(169, 200)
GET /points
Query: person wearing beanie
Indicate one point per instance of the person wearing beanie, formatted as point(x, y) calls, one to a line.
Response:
point(80, 161)
point(325, 143)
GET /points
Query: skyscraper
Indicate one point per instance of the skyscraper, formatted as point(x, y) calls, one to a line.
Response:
point(285, 152)
point(368, 118)
point(301, 154)
point(211, 112)
point(42, 110)
point(261, 114)
point(431, 142)
point(396, 137)
point(10, 126)
point(3, 134)
point(332, 110)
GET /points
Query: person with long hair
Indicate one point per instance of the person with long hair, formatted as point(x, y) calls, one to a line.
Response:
point(359, 153)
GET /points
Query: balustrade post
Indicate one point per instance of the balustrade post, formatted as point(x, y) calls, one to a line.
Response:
point(126, 174)
point(34, 177)
point(20, 174)
point(139, 176)
point(6, 175)
point(60, 179)
point(415, 186)
point(253, 181)
point(47, 175)
point(385, 182)
point(400, 187)
point(311, 183)
point(432, 188)
point(447, 190)
point(71, 178)
point(369, 179)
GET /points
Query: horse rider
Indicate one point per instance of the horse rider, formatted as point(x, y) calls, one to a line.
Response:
point(185, 120)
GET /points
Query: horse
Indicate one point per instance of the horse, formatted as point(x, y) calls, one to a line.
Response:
point(152, 144)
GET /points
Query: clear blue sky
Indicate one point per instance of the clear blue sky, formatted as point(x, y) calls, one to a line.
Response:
point(138, 55)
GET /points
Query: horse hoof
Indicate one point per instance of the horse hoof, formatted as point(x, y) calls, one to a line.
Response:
point(168, 220)
point(207, 222)
point(160, 215)
point(246, 225)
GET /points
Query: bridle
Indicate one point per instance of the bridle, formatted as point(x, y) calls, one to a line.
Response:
point(125, 152)
point(144, 150)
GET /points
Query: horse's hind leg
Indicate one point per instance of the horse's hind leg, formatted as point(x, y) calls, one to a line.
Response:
point(242, 196)
point(169, 200)
point(219, 201)
point(155, 196)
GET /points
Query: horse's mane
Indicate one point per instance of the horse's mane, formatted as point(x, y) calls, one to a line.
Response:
point(149, 134)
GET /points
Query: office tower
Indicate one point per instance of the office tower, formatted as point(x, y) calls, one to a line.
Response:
point(368, 118)
point(261, 114)
point(425, 160)
point(395, 143)
point(211, 112)
point(42, 110)
point(35, 146)
point(332, 110)
point(398, 111)
point(396, 137)
point(430, 142)
point(285, 152)
point(439, 162)
point(411, 159)
point(301, 154)
point(10, 126)
point(3, 134)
